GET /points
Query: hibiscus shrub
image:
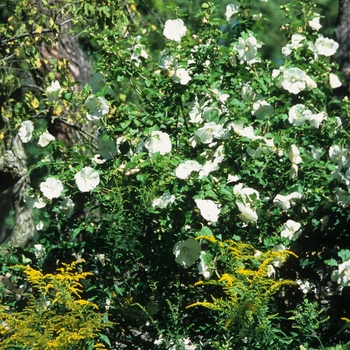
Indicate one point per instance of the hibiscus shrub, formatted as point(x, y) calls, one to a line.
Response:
point(202, 161)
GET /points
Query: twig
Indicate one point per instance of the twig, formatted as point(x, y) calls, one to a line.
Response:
point(131, 17)
point(25, 35)
point(155, 15)
point(77, 128)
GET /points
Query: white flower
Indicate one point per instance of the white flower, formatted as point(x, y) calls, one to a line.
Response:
point(186, 342)
point(310, 84)
point(87, 179)
point(208, 112)
point(285, 202)
point(325, 46)
point(184, 170)
point(209, 131)
point(293, 174)
point(306, 286)
point(195, 112)
point(334, 81)
point(39, 203)
point(39, 226)
point(34, 202)
point(97, 159)
point(219, 154)
point(315, 22)
point(291, 230)
point(166, 60)
point(45, 138)
point(187, 252)
point(209, 210)
point(97, 107)
point(207, 168)
point(271, 271)
point(256, 17)
point(181, 76)
point(342, 197)
point(51, 188)
point(231, 9)
point(247, 213)
point(295, 80)
point(106, 146)
point(203, 268)
point(342, 276)
point(294, 155)
point(139, 50)
point(39, 251)
point(159, 340)
point(248, 131)
point(316, 119)
point(174, 29)
point(163, 201)
point(262, 109)
point(247, 48)
point(67, 207)
point(246, 194)
point(222, 97)
point(25, 132)
point(296, 42)
point(232, 178)
point(53, 91)
point(247, 93)
point(298, 114)
point(339, 155)
point(158, 142)
point(315, 153)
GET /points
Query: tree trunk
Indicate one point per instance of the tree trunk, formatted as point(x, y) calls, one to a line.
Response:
point(342, 35)
point(14, 163)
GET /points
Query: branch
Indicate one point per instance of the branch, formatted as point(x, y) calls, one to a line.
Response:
point(77, 128)
point(155, 14)
point(24, 35)
point(131, 17)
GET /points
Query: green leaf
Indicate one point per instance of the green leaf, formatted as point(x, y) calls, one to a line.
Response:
point(331, 262)
point(105, 339)
point(118, 290)
point(226, 192)
point(76, 232)
point(103, 91)
point(206, 231)
point(344, 254)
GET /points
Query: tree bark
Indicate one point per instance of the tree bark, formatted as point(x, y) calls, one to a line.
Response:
point(13, 168)
point(342, 36)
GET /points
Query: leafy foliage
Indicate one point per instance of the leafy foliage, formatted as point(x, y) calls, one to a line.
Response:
point(248, 291)
point(55, 316)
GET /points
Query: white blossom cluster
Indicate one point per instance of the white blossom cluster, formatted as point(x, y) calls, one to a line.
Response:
point(340, 156)
point(342, 275)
